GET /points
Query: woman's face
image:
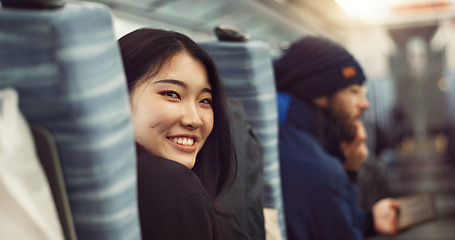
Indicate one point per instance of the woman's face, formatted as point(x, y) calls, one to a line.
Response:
point(172, 113)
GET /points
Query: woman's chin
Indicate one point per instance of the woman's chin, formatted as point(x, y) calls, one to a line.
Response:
point(187, 161)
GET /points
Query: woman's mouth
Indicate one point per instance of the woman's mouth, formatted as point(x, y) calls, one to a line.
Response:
point(183, 141)
point(185, 144)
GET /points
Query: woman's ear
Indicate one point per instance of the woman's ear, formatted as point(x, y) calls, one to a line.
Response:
point(322, 102)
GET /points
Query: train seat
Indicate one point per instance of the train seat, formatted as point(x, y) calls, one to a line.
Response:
point(247, 73)
point(66, 66)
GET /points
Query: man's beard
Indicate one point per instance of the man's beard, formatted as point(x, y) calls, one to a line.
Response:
point(342, 123)
point(347, 132)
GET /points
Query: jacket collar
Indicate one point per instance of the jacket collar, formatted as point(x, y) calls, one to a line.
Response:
point(298, 113)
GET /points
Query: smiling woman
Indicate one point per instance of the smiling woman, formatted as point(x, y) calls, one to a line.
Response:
point(174, 110)
point(185, 152)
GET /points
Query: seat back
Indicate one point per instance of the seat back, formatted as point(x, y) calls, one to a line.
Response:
point(66, 66)
point(247, 74)
point(47, 153)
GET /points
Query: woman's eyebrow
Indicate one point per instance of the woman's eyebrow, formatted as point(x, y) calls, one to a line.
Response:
point(180, 83)
point(172, 81)
point(207, 90)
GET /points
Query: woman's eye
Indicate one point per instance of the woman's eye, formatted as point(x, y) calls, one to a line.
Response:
point(207, 101)
point(171, 94)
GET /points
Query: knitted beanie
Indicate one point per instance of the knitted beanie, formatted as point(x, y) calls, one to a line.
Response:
point(315, 67)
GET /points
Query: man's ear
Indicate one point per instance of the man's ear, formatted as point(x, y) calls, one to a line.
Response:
point(322, 102)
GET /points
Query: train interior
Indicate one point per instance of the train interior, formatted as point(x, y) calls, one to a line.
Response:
point(406, 48)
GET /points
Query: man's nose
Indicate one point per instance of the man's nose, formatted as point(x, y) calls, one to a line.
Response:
point(365, 104)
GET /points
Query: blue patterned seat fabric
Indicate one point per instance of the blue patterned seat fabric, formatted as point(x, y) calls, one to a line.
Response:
point(247, 74)
point(67, 68)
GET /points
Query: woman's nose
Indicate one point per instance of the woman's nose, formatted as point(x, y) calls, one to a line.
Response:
point(191, 117)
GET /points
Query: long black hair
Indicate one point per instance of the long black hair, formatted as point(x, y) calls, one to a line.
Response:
point(145, 52)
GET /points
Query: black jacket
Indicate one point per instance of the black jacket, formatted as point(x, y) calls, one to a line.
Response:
point(244, 200)
point(172, 202)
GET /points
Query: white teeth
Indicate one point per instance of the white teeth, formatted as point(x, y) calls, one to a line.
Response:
point(183, 141)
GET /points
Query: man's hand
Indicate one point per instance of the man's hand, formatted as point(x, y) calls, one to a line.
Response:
point(355, 151)
point(385, 215)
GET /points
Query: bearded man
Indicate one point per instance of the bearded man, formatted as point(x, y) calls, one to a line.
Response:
point(322, 144)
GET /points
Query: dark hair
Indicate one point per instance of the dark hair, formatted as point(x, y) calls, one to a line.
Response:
point(145, 51)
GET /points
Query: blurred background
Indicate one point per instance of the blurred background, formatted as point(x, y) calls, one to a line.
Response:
point(393, 39)
point(406, 48)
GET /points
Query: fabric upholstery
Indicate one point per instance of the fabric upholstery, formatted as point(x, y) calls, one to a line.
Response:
point(247, 74)
point(66, 66)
